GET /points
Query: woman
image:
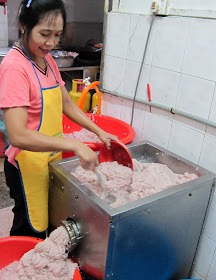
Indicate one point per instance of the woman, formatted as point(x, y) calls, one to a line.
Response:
point(33, 98)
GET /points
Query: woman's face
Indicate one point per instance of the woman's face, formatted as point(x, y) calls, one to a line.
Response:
point(45, 36)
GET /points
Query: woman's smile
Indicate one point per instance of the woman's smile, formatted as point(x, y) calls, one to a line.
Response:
point(45, 51)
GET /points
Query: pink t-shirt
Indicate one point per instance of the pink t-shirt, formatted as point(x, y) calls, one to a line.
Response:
point(19, 87)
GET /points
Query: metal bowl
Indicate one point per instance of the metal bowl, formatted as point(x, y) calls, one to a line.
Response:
point(64, 61)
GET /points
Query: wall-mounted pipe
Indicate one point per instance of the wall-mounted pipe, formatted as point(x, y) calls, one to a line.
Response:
point(166, 108)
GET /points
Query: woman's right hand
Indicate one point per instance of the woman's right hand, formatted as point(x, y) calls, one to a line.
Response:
point(88, 158)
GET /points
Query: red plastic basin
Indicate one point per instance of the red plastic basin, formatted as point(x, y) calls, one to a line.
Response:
point(124, 131)
point(14, 247)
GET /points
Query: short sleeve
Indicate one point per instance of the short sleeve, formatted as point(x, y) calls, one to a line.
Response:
point(14, 89)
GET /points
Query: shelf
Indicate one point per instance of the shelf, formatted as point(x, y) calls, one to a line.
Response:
point(76, 68)
point(84, 72)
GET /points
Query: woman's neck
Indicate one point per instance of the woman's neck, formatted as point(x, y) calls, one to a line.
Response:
point(38, 60)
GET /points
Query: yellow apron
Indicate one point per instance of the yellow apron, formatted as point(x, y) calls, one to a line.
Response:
point(33, 166)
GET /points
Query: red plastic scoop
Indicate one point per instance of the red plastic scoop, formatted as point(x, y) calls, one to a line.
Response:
point(117, 152)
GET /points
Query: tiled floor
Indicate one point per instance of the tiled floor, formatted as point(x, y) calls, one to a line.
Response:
point(6, 218)
point(1, 164)
point(6, 215)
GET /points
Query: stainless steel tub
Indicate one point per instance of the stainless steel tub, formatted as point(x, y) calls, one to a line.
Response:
point(153, 238)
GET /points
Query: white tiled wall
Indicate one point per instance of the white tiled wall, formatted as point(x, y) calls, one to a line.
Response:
point(3, 28)
point(180, 66)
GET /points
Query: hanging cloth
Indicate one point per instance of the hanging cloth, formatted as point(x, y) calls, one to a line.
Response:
point(3, 3)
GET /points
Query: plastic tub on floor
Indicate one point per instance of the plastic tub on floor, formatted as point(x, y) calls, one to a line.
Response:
point(14, 247)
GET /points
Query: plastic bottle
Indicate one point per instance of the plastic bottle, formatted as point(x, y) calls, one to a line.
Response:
point(95, 109)
point(95, 100)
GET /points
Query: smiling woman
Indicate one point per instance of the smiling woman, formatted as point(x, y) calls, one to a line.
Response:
point(45, 35)
point(33, 98)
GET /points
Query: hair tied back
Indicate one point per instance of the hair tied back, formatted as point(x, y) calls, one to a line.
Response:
point(28, 4)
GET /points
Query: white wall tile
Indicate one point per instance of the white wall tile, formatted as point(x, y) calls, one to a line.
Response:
point(212, 116)
point(210, 227)
point(138, 121)
point(105, 101)
point(205, 256)
point(161, 112)
point(191, 123)
point(211, 131)
point(170, 42)
point(195, 5)
point(3, 44)
point(195, 96)
point(3, 28)
point(117, 35)
point(196, 276)
point(156, 129)
point(185, 142)
point(135, 6)
point(144, 80)
point(164, 85)
point(139, 28)
point(126, 110)
point(200, 59)
point(208, 154)
point(212, 271)
point(114, 109)
point(3, 17)
point(114, 74)
point(4, 32)
point(131, 78)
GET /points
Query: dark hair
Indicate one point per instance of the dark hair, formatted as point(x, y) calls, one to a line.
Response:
point(31, 15)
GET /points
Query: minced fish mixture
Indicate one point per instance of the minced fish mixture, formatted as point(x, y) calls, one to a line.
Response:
point(121, 185)
point(83, 135)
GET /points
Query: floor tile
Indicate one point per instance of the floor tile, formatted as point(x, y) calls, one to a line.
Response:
point(6, 218)
point(1, 164)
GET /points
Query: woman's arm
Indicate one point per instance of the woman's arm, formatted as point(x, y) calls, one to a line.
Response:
point(26, 139)
point(74, 113)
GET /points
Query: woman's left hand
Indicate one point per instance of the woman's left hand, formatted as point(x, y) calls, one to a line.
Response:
point(106, 137)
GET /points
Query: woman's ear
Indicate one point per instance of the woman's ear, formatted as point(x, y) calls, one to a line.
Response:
point(22, 28)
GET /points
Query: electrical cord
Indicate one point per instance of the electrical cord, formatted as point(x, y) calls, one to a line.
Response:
point(141, 66)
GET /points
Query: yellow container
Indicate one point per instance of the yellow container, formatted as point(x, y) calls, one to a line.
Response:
point(95, 100)
point(76, 92)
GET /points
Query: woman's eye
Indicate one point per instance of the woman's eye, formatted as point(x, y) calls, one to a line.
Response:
point(44, 35)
